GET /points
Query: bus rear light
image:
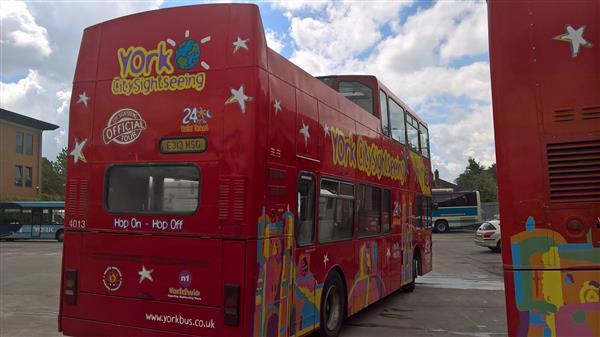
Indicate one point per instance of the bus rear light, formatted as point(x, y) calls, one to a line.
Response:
point(232, 305)
point(70, 292)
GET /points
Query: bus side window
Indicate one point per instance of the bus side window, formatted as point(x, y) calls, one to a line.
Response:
point(58, 216)
point(336, 210)
point(306, 210)
point(11, 216)
point(383, 109)
point(26, 216)
point(369, 210)
point(386, 210)
point(46, 216)
point(428, 209)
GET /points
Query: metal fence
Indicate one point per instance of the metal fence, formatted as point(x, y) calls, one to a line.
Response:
point(488, 210)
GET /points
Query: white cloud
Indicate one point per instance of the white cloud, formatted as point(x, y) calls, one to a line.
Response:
point(415, 62)
point(41, 39)
point(470, 36)
point(468, 133)
point(64, 98)
point(289, 7)
point(425, 85)
point(274, 41)
point(22, 40)
point(343, 31)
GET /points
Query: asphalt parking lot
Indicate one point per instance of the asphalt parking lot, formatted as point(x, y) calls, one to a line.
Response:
point(463, 296)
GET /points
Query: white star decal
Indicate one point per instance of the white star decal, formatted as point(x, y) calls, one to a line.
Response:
point(304, 132)
point(238, 96)
point(325, 260)
point(77, 152)
point(83, 98)
point(240, 43)
point(277, 106)
point(326, 129)
point(145, 274)
point(575, 37)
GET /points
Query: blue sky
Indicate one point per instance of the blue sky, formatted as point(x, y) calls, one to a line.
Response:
point(433, 55)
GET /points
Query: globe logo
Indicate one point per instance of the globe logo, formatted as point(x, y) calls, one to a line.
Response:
point(187, 55)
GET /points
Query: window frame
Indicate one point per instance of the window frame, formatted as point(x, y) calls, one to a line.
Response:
point(425, 152)
point(20, 147)
point(301, 175)
point(185, 164)
point(28, 148)
point(28, 182)
point(403, 114)
point(359, 201)
point(410, 120)
point(339, 90)
point(20, 170)
point(387, 230)
point(385, 129)
point(336, 197)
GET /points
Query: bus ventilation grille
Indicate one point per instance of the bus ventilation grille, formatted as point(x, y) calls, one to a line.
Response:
point(590, 112)
point(562, 115)
point(231, 201)
point(77, 198)
point(574, 171)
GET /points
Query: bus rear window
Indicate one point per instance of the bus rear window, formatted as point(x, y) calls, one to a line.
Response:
point(153, 189)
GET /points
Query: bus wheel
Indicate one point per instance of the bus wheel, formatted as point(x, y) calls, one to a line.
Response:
point(441, 226)
point(332, 306)
point(411, 286)
point(60, 235)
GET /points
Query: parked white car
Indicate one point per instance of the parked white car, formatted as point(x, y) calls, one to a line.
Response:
point(488, 235)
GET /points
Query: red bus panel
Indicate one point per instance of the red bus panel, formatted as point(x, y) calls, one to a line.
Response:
point(545, 67)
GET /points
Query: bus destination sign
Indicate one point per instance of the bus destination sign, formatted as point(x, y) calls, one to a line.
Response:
point(183, 145)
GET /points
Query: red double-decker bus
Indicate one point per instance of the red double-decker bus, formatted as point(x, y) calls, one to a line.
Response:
point(545, 62)
point(216, 189)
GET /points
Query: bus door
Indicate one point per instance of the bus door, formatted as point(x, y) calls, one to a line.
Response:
point(425, 230)
point(304, 311)
point(370, 249)
point(36, 222)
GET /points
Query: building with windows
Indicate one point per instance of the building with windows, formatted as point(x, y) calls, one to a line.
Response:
point(21, 154)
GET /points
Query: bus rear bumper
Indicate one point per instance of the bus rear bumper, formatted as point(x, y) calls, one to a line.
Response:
point(84, 327)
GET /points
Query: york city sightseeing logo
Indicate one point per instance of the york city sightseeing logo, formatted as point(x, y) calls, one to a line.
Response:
point(144, 71)
point(123, 127)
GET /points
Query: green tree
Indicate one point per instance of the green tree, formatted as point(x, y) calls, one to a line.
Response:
point(60, 165)
point(478, 178)
point(53, 177)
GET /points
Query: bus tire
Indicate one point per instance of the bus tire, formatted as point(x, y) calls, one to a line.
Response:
point(333, 305)
point(441, 226)
point(60, 235)
point(412, 285)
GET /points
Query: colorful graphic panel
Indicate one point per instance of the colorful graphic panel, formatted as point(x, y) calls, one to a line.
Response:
point(561, 300)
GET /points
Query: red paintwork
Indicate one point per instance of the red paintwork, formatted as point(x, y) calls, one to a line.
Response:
point(544, 95)
point(217, 245)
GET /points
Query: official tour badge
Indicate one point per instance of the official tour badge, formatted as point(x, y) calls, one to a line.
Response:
point(123, 127)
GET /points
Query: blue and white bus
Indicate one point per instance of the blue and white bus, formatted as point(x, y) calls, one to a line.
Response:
point(455, 209)
point(32, 220)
